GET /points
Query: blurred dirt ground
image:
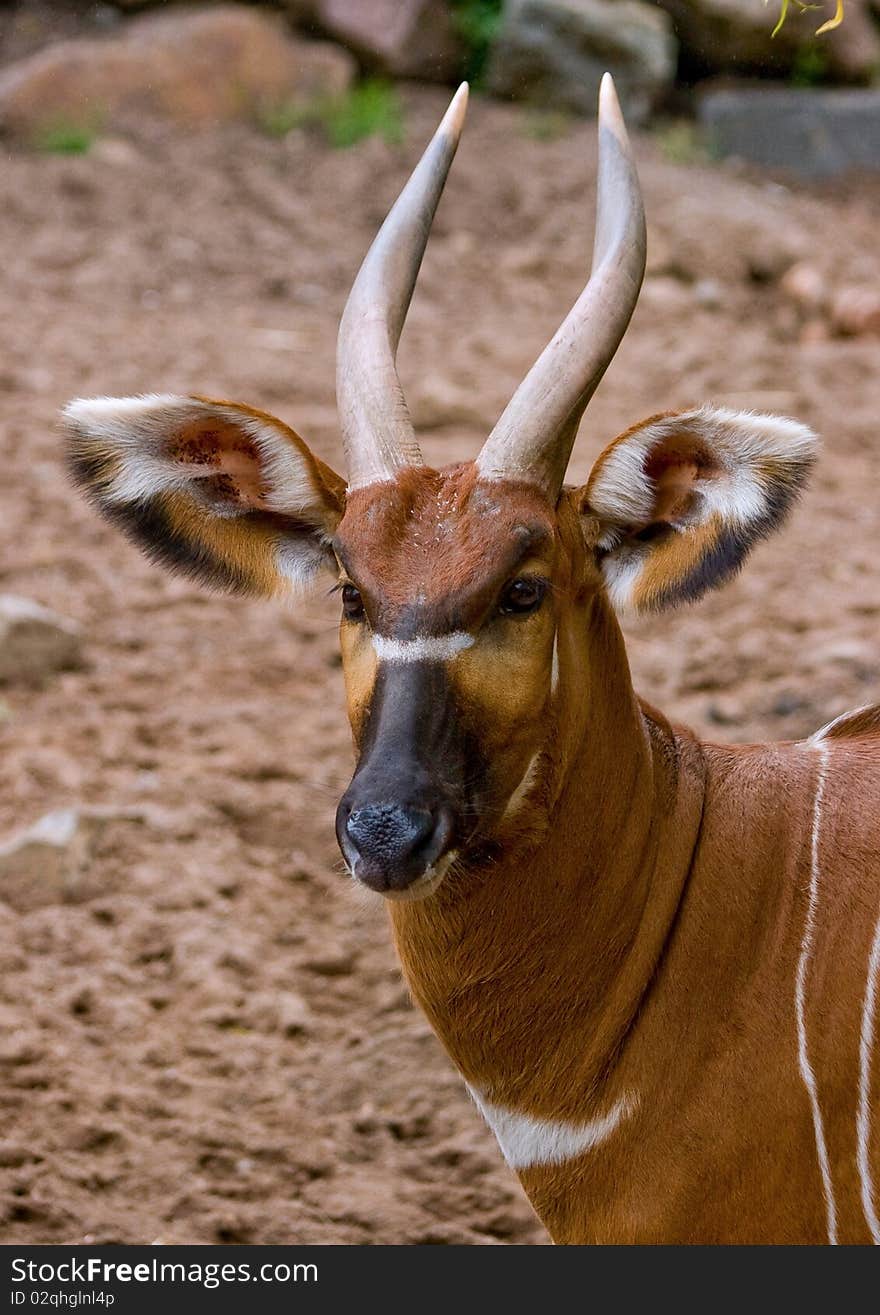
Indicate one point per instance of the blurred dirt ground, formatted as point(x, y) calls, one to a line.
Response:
point(215, 1045)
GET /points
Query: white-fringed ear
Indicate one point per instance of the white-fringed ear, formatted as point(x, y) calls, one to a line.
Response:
point(221, 491)
point(677, 502)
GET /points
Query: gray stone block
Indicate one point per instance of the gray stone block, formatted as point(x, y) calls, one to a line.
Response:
point(815, 134)
point(552, 53)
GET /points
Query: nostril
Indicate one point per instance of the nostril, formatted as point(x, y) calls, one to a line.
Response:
point(388, 831)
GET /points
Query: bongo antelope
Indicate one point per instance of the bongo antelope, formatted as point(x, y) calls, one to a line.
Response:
point(654, 961)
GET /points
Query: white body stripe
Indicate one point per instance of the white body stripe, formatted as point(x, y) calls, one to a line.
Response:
point(554, 670)
point(526, 1142)
point(526, 782)
point(818, 737)
point(806, 954)
point(863, 1120)
point(430, 648)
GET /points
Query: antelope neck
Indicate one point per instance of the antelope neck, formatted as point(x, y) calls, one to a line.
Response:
point(573, 917)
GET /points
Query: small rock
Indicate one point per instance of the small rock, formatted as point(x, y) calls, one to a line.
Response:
point(410, 1127)
point(331, 961)
point(709, 294)
point(725, 712)
point(805, 286)
point(226, 1017)
point(13, 1156)
point(662, 293)
point(357, 1196)
point(660, 259)
point(94, 1137)
point(787, 703)
point(855, 312)
point(847, 651)
point(21, 1048)
point(35, 642)
point(815, 330)
point(115, 151)
point(276, 1011)
point(439, 403)
point(365, 1121)
point(294, 1014)
point(81, 1003)
point(769, 259)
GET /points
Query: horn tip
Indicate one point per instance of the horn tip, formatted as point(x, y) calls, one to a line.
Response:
point(453, 120)
point(610, 113)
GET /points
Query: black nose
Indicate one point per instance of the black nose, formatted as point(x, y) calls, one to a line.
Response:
point(390, 845)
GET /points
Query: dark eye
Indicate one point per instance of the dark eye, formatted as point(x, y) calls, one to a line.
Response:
point(352, 603)
point(522, 596)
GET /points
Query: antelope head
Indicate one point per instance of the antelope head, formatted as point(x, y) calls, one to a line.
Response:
point(474, 598)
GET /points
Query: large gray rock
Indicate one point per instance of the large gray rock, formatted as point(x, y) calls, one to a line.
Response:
point(35, 642)
point(198, 66)
point(736, 36)
point(403, 38)
point(814, 134)
point(553, 53)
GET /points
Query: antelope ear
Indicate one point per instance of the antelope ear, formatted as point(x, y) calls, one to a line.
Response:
point(678, 501)
point(224, 493)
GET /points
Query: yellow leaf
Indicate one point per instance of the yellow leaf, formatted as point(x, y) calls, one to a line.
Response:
point(782, 12)
point(832, 22)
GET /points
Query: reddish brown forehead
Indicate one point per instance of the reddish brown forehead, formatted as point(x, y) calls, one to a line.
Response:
point(439, 538)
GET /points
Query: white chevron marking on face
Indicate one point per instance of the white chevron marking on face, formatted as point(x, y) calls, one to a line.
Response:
point(430, 648)
point(527, 1142)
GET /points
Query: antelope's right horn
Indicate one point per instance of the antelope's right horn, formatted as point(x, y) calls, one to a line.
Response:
point(377, 432)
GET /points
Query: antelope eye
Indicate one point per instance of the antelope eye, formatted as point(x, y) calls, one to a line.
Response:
point(522, 596)
point(352, 603)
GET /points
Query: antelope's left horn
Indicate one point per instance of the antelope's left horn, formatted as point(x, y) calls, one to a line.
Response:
point(533, 439)
point(377, 432)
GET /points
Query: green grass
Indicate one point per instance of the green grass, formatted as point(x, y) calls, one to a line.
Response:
point(809, 67)
point(370, 109)
point(279, 120)
point(476, 23)
point(545, 125)
point(680, 141)
point(66, 138)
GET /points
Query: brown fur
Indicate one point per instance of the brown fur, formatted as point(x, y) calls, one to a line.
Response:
point(434, 535)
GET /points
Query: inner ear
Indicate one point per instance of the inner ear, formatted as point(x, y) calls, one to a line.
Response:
point(674, 505)
point(225, 463)
point(676, 467)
